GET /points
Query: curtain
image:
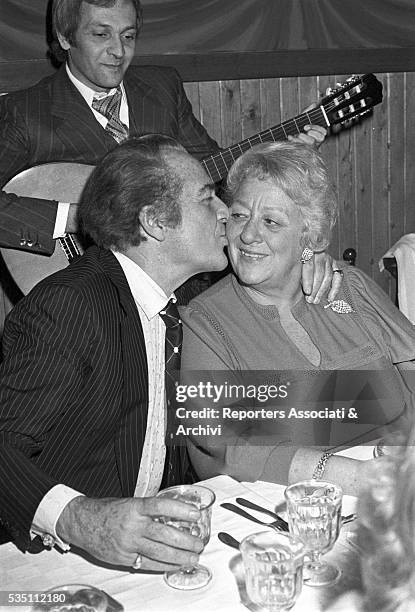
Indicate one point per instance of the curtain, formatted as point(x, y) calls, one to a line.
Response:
point(204, 26)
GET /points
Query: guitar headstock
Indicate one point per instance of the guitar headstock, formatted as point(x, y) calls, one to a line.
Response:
point(353, 98)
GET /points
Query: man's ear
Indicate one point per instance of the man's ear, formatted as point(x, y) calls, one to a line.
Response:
point(64, 43)
point(151, 224)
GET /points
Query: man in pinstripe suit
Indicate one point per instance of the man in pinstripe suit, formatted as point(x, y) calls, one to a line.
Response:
point(55, 119)
point(82, 415)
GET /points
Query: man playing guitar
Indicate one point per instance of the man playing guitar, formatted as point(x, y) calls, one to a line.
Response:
point(55, 120)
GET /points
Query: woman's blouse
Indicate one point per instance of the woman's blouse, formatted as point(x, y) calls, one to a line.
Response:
point(225, 329)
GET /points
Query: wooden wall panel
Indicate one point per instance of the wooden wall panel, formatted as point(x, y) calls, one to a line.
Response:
point(17, 74)
point(396, 143)
point(330, 154)
point(250, 92)
point(210, 109)
point(379, 228)
point(409, 137)
point(290, 104)
point(270, 90)
point(231, 116)
point(361, 185)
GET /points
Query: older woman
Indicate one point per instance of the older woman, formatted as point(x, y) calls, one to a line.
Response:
point(282, 210)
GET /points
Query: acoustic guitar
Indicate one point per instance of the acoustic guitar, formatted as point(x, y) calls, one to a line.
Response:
point(65, 181)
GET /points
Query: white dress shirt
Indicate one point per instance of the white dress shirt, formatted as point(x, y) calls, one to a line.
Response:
point(88, 94)
point(149, 299)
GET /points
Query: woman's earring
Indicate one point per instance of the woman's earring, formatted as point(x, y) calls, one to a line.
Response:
point(306, 255)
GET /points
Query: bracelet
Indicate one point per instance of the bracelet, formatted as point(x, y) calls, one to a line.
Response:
point(321, 466)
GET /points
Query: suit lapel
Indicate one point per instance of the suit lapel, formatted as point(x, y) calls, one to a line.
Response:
point(133, 419)
point(146, 113)
point(84, 138)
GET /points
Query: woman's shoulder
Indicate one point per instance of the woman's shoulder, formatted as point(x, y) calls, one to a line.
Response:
point(379, 314)
point(208, 329)
point(357, 278)
point(218, 311)
point(366, 291)
point(215, 297)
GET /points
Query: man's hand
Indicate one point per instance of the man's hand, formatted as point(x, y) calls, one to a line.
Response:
point(318, 277)
point(313, 135)
point(117, 530)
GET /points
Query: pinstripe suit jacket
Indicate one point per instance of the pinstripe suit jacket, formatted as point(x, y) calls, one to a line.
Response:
point(51, 122)
point(73, 390)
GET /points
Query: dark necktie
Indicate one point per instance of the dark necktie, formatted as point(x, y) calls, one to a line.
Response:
point(176, 455)
point(173, 348)
point(109, 107)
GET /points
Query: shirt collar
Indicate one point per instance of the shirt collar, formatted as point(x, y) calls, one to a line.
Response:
point(146, 292)
point(87, 92)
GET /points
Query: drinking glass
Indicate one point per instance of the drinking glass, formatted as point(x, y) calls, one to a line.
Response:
point(273, 565)
point(314, 517)
point(193, 576)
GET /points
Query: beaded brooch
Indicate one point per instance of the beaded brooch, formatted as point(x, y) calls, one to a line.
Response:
point(339, 306)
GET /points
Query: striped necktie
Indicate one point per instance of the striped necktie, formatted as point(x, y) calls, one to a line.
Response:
point(109, 107)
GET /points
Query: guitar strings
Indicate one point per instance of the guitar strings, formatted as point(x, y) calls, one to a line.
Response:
point(289, 127)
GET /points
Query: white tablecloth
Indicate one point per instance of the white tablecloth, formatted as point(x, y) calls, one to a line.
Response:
point(149, 593)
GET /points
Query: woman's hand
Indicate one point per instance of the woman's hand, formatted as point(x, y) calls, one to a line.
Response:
point(319, 277)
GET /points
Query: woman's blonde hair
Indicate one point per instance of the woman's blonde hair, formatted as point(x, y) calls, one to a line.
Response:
point(301, 173)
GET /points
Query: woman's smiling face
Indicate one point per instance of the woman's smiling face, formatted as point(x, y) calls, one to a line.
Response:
point(264, 232)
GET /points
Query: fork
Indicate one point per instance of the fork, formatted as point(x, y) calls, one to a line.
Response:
point(248, 504)
point(278, 525)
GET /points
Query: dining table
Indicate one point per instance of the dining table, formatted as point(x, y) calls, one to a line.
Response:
point(139, 591)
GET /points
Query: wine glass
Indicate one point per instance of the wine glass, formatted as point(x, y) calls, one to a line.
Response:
point(314, 517)
point(192, 576)
point(273, 565)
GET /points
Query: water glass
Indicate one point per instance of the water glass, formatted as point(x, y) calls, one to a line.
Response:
point(195, 576)
point(314, 517)
point(273, 565)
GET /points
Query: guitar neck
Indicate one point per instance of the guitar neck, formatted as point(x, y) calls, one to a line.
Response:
point(217, 166)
